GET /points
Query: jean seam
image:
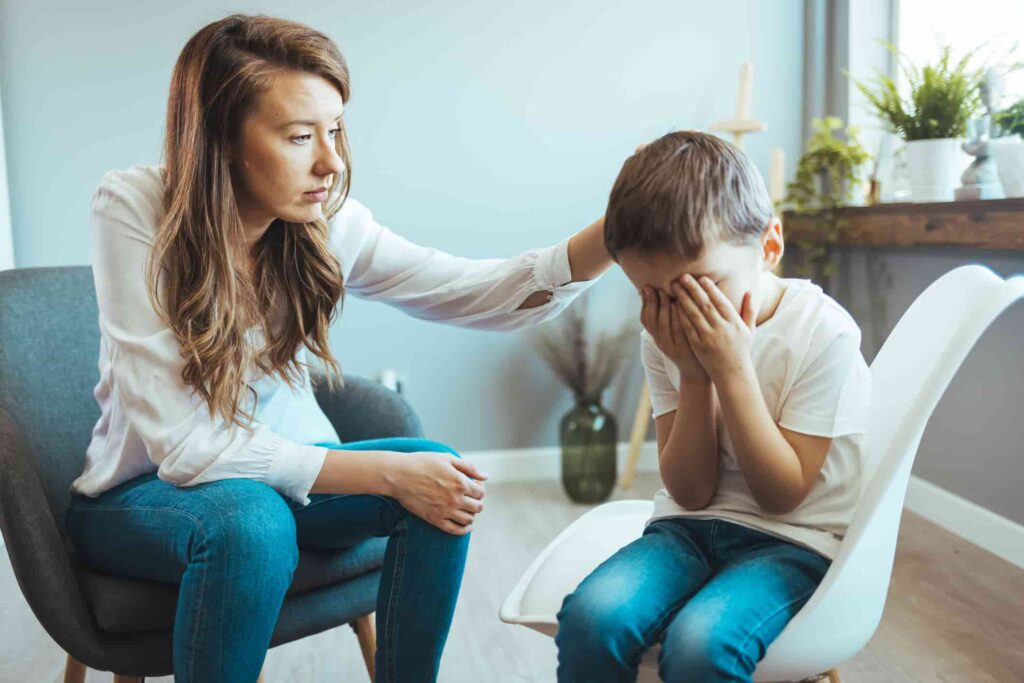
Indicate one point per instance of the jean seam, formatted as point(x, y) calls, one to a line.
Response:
point(390, 623)
point(714, 538)
point(771, 616)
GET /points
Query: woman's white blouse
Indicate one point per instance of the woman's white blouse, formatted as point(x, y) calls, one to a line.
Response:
point(151, 420)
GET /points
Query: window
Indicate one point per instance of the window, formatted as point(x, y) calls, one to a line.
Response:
point(991, 25)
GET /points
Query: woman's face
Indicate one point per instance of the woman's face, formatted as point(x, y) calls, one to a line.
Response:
point(285, 158)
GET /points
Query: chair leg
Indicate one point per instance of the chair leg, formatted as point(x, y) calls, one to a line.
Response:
point(74, 671)
point(833, 676)
point(366, 631)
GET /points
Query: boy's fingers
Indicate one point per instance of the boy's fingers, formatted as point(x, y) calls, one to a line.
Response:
point(695, 316)
point(721, 303)
point(688, 329)
point(678, 336)
point(663, 313)
point(700, 298)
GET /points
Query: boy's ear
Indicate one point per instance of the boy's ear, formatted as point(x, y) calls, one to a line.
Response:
point(772, 243)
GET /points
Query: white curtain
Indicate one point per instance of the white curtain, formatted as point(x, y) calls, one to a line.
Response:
point(6, 240)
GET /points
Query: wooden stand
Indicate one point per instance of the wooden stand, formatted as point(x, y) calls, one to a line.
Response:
point(641, 419)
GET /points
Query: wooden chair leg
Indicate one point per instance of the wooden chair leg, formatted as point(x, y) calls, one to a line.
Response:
point(74, 671)
point(366, 631)
point(833, 676)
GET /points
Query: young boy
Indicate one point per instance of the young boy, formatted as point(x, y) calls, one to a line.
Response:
point(761, 398)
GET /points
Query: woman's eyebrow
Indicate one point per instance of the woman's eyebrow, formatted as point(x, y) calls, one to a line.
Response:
point(307, 122)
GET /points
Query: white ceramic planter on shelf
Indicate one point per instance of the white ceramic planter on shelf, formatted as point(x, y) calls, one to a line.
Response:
point(935, 168)
point(1009, 157)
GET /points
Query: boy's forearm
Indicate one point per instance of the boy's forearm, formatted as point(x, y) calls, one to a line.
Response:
point(689, 461)
point(769, 463)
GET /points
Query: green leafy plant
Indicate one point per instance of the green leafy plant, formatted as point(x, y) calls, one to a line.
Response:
point(942, 97)
point(1010, 121)
point(826, 176)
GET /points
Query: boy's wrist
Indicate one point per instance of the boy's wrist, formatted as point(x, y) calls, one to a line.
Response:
point(737, 376)
point(694, 381)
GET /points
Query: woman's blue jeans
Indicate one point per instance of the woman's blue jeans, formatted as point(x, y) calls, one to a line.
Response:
point(714, 594)
point(233, 545)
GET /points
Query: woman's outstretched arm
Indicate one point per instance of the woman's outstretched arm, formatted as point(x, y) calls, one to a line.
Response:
point(482, 293)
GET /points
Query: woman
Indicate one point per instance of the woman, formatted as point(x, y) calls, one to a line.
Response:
point(212, 464)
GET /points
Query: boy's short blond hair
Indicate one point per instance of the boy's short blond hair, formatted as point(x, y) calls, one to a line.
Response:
point(682, 191)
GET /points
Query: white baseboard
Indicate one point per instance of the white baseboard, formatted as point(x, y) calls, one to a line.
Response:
point(984, 528)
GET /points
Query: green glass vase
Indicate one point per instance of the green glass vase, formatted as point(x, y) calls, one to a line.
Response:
point(589, 440)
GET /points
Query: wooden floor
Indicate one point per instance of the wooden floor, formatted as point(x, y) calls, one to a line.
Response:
point(955, 612)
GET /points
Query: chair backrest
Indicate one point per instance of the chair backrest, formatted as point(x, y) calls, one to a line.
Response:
point(909, 374)
point(49, 346)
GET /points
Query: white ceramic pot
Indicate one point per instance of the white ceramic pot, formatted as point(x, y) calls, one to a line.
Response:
point(935, 168)
point(1009, 157)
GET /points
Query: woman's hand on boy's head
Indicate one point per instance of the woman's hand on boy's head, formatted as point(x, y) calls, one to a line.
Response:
point(663, 320)
point(720, 336)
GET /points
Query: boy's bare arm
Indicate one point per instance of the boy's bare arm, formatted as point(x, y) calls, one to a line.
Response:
point(779, 465)
point(688, 445)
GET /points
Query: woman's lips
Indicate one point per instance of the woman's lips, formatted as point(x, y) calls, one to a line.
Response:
point(315, 196)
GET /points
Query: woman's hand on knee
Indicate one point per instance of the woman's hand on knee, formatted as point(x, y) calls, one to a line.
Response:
point(439, 488)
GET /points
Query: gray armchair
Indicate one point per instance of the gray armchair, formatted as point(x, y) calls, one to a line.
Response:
point(49, 345)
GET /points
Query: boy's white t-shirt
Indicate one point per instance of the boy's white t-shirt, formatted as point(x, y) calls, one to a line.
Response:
point(815, 381)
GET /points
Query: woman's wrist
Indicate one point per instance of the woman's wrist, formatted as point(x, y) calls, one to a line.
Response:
point(588, 257)
point(357, 472)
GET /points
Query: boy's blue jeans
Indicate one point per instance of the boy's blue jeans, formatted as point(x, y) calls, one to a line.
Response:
point(714, 594)
point(233, 545)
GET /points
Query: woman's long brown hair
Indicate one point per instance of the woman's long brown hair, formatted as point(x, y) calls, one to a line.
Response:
point(193, 278)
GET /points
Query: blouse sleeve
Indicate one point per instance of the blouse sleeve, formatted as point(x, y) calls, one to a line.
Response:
point(433, 285)
point(188, 445)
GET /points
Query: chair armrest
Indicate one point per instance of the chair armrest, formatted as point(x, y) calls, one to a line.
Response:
point(363, 409)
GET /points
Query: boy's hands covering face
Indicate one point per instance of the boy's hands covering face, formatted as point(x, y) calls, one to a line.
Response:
point(663, 320)
point(720, 336)
point(699, 329)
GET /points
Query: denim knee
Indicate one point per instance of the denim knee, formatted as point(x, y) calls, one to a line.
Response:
point(701, 648)
point(592, 621)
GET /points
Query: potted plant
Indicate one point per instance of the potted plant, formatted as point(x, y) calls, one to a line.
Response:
point(830, 174)
point(588, 433)
point(1009, 148)
point(931, 118)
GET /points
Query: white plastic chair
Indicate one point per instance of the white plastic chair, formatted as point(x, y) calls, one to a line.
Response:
point(910, 374)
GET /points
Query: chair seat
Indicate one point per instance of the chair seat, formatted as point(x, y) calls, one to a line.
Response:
point(124, 605)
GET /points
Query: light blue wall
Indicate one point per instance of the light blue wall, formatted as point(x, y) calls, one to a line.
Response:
point(479, 128)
